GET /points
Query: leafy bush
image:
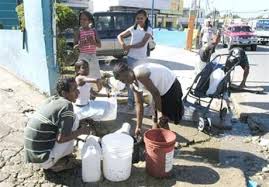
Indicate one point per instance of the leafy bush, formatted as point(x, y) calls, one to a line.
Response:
point(65, 18)
point(20, 13)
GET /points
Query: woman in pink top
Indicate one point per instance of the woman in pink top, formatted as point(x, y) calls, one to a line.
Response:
point(86, 40)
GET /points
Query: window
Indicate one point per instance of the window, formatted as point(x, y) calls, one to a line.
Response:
point(8, 14)
point(104, 23)
point(241, 29)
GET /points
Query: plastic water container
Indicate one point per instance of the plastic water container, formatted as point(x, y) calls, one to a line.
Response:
point(117, 156)
point(91, 160)
point(215, 78)
point(125, 128)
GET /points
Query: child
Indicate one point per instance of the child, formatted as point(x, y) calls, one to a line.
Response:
point(84, 107)
point(86, 40)
point(140, 34)
point(50, 133)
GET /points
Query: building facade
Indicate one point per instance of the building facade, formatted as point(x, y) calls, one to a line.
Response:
point(166, 13)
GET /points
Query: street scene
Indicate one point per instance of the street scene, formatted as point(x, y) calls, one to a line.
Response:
point(134, 93)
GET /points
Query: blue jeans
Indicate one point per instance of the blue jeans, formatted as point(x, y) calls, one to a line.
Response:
point(132, 62)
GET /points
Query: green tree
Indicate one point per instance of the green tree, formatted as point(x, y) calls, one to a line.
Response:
point(65, 17)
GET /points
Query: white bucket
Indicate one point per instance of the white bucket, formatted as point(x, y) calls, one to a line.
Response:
point(117, 156)
point(91, 160)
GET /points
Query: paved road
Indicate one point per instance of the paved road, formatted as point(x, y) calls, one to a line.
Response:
point(258, 77)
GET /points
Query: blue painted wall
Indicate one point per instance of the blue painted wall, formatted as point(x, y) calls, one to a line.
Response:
point(8, 15)
point(34, 64)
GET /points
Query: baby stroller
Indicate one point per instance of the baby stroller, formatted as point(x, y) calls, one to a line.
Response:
point(212, 82)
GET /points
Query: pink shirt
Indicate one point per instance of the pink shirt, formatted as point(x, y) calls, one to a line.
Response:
point(85, 46)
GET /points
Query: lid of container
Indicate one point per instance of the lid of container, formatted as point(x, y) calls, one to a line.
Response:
point(117, 140)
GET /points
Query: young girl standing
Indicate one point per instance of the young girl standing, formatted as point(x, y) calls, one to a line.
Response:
point(86, 40)
point(140, 34)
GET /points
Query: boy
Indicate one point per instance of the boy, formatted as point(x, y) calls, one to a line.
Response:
point(50, 133)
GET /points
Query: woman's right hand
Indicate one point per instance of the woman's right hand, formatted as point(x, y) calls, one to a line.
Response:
point(137, 131)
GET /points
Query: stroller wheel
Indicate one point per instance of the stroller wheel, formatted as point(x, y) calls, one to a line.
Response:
point(223, 113)
point(204, 124)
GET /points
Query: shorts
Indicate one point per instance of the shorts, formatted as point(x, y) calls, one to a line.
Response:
point(244, 62)
point(172, 106)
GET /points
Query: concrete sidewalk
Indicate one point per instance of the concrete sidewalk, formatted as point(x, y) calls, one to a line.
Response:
point(198, 163)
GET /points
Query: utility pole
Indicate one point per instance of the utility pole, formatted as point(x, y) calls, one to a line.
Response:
point(197, 14)
point(152, 11)
point(191, 22)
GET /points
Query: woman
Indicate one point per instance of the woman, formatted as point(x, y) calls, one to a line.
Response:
point(161, 83)
point(140, 34)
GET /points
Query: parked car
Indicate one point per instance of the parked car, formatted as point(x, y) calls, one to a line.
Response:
point(239, 35)
point(108, 25)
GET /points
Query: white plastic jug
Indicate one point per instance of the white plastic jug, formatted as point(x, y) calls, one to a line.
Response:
point(117, 156)
point(91, 160)
point(215, 78)
point(124, 129)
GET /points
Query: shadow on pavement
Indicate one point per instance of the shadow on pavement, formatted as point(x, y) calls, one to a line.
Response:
point(222, 158)
point(261, 105)
point(200, 175)
point(203, 175)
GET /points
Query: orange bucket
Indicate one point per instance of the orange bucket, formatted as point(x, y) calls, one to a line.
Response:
point(159, 144)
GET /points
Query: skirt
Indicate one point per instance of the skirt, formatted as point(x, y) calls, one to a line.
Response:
point(172, 106)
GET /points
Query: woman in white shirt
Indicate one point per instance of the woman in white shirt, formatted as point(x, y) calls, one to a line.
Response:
point(163, 86)
point(140, 34)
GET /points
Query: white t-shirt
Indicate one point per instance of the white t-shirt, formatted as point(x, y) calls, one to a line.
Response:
point(162, 77)
point(137, 36)
point(207, 34)
point(84, 94)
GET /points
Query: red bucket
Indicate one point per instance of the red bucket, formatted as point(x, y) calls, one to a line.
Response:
point(159, 145)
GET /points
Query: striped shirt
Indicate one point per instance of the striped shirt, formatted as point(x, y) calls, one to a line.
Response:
point(84, 43)
point(53, 117)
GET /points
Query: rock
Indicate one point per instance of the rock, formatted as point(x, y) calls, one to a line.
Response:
point(7, 154)
point(255, 139)
point(265, 140)
point(247, 140)
point(264, 148)
point(183, 144)
point(6, 184)
point(3, 176)
point(24, 174)
point(265, 169)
